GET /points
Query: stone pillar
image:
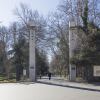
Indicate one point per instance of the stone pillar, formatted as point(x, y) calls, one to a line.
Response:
point(72, 46)
point(32, 68)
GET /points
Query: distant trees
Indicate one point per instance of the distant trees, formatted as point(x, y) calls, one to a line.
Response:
point(42, 67)
point(58, 43)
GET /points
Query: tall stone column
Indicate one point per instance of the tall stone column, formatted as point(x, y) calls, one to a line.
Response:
point(32, 68)
point(72, 46)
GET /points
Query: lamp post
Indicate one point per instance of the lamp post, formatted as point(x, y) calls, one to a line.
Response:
point(32, 68)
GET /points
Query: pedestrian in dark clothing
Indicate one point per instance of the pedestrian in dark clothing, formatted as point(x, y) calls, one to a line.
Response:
point(49, 75)
point(40, 76)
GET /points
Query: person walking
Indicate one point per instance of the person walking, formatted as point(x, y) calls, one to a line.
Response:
point(49, 75)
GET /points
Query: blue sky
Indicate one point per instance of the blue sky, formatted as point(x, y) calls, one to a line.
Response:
point(7, 7)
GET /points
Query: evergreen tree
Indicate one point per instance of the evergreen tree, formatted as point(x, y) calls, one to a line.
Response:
point(20, 57)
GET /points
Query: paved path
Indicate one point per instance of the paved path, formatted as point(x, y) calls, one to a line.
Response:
point(37, 91)
point(66, 83)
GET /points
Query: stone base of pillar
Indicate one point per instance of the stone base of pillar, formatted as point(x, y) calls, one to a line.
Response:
point(72, 74)
point(32, 74)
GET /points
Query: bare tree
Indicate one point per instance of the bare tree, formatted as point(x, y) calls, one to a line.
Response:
point(57, 41)
point(25, 14)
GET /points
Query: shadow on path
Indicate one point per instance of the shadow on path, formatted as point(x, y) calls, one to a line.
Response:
point(95, 83)
point(68, 86)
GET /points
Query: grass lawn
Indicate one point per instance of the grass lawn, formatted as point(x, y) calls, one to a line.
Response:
point(3, 79)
